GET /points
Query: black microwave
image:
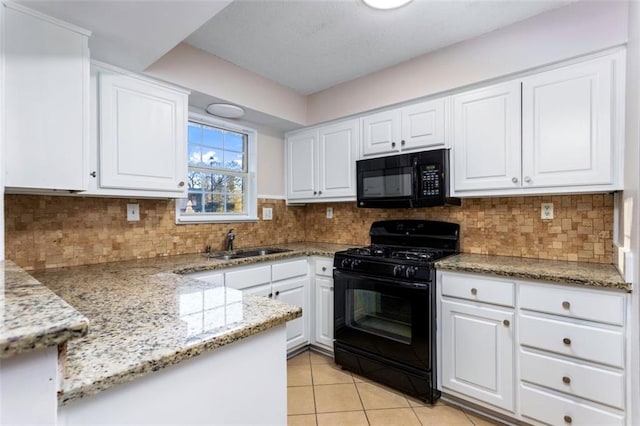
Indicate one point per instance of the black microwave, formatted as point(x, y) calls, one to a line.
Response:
point(419, 179)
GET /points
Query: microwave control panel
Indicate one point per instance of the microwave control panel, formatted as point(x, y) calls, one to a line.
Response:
point(431, 184)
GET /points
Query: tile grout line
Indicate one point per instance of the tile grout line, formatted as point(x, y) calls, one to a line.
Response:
point(360, 398)
point(313, 388)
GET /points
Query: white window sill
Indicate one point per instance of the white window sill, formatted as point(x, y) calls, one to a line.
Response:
point(184, 220)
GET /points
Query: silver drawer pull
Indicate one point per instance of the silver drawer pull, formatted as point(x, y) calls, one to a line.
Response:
point(566, 305)
point(474, 291)
point(324, 268)
point(566, 380)
point(567, 419)
point(566, 341)
point(506, 323)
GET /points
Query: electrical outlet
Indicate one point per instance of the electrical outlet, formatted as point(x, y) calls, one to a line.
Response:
point(267, 213)
point(329, 212)
point(133, 212)
point(546, 211)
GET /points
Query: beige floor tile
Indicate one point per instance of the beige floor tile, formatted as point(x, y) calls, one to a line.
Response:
point(302, 420)
point(346, 418)
point(301, 359)
point(317, 358)
point(481, 421)
point(374, 396)
point(329, 374)
point(333, 398)
point(299, 375)
point(393, 417)
point(442, 415)
point(300, 400)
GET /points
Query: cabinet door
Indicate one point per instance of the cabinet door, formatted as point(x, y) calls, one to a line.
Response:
point(477, 353)
point(142, 135)
point(337, 146)
point(424, 125)
point(301, 165)
point(567, 125)
point(46, 96)
point(295, 292)
point(324, 312)
point(486, 138)
point(381, 133)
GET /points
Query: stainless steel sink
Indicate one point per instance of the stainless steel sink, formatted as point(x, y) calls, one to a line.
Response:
point(241, 254)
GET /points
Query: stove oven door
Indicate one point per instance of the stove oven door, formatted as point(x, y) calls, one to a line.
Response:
point(387, 318)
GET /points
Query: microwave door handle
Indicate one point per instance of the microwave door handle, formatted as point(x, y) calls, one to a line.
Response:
point(416, 179)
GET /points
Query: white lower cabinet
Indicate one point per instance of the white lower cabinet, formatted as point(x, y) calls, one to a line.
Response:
point(477, 342)
point(287, 281)
point(567, 344)
point(323, 299)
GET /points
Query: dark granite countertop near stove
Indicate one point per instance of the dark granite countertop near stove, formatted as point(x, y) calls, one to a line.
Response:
point(558, 271)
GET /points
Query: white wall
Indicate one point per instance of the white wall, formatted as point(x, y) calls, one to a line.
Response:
point(197, 70)
point(559, 34)
point(629, 209)
point(270, 163)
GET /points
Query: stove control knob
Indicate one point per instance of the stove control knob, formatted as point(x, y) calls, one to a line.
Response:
point(355, 264)
point(410, 272)
point(346, 263)
point(398, 270)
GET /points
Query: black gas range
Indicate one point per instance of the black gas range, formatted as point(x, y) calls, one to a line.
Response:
point(384, 304)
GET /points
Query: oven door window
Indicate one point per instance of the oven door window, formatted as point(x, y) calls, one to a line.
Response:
point(387, 183)
point(384, 315)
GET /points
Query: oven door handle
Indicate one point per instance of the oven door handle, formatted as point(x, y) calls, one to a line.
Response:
point(337, 275)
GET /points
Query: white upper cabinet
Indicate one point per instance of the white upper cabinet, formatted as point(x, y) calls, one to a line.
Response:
point(415, 127)
point(486, 138)
point(571, 140)
point(46, 97)
point(142, 135)
point(301, 165)
point(567, 125)
point(321, 163)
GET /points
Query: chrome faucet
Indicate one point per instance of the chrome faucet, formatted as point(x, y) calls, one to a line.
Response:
point(230, 237)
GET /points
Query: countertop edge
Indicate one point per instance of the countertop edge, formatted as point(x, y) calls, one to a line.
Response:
point(71, 325)
point(152, 365)
point(493, 266)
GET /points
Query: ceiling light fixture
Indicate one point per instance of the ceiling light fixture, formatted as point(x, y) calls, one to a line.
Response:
point(386, 4)
point(225, 110)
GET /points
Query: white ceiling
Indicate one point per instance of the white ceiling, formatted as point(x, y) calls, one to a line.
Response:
point(307, 45)
point(310, 45)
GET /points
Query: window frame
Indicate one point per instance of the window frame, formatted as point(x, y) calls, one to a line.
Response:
point(251, 190)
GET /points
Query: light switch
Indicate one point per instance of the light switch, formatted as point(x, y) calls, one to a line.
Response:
point(329, 212)
point(267, 213)
point(133, 212)
point(546, 211)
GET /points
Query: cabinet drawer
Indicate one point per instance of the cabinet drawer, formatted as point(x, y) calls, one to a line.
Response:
point(468, 287)
point(555, 410)
point(596, 384)
point(595, 344)
point(248, 277)
point(282, 271)
point(324, 267)
point(209, 276)
point(598, 306)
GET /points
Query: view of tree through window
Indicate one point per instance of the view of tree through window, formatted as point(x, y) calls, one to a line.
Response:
point(217, 171)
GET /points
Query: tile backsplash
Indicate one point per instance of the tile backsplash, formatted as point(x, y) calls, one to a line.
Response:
point(47, 231)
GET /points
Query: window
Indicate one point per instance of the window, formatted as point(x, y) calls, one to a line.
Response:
point(221, 173)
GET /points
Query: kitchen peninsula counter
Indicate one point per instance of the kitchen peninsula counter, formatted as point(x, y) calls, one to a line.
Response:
point(563, 272)
point(143, 314)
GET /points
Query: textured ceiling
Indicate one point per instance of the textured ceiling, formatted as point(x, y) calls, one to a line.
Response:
point(310, 45)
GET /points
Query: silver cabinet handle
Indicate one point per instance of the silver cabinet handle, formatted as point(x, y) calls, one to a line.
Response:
point(506, 323)
point(93, 174)
point(566, 380)
point(566, 305)
point(393, 144)
point(324, 268)
point(319, 192)
point(527, 179)
point(315, 192)
point(474, 291)
point(402, 142)
point(181, 184)
point(514, 179)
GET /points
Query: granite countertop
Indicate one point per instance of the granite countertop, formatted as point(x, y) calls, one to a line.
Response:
point(579, 273)
point(145, 315)
point(31, 315)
